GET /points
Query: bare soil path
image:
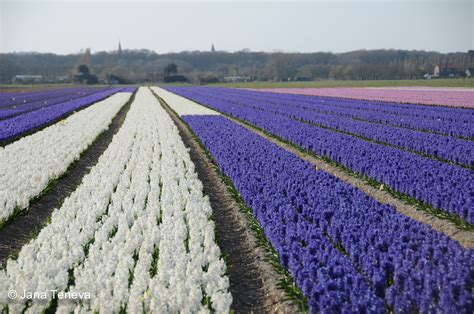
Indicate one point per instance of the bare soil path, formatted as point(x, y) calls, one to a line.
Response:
point(253, 280)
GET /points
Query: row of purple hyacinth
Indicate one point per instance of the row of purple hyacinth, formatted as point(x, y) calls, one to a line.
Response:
point(448, 148)
point(18, 126)
point(13, 99)
point(56, 98)
point(442, 185)
point(346, 251)
point(447, 114)
point(448, 121)
point(439, 96)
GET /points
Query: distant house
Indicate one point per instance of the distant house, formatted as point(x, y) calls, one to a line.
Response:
point(300, 79)
point(234, 79)
point(175, 79)
point(116, 79)
point(27, 79)
point(62, 78)
point(469, 72)
point(83, 78)
point(113, 81)
point(445, 70)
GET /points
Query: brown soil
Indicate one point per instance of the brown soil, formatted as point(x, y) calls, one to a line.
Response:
point(253, 280)
point(24, 227)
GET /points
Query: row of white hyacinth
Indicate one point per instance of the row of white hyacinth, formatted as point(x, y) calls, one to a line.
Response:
point(28, 165)
point(136, 235)
point(182, 106)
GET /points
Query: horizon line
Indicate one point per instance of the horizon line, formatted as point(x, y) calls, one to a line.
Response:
point(246, 50)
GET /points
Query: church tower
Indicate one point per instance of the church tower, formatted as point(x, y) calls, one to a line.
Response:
point(119, 48)
point(212, 48)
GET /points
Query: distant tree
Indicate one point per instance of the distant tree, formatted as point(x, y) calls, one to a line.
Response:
point(85, 57)
point(84, 69)
point(121, 71)
point(281, 66)
point(84, 76)
point(337, 72)
point(8, 69)
point(141, 65)
point(171, 69)
point(118, 79)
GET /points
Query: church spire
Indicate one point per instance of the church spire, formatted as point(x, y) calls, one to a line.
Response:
point(119, 48)
point(212, 48)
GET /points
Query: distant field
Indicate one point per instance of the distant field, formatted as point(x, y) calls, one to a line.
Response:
point(381, 83)
point(12, 88)
point(442, 96)
point(346, 204)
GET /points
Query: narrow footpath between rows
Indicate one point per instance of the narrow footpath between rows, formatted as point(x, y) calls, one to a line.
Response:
point(253, 280)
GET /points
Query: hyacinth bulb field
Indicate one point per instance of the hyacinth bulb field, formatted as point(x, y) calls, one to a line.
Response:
point(185, 199)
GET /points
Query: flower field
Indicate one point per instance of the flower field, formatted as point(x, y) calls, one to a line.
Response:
point(141, 231)
point(48, 153)
point(417, 95)
point(304, 213)
point(30, 115)
point(346, 251)
point(136, 234)
point(440, 184)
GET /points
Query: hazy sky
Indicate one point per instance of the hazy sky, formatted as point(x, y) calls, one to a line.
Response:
point(304, 26)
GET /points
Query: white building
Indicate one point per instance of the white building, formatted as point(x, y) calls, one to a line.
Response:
point(27, 79)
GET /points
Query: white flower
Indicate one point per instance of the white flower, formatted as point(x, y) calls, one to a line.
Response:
point(183, 106)
point(145, 173)
point(29, 164)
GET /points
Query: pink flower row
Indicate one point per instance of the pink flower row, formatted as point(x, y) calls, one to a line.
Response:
point(429, 96)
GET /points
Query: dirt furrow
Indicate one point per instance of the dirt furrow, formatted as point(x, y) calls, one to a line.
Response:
point(253, 280)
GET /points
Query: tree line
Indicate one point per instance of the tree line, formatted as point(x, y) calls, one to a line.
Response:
point(147, 66)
